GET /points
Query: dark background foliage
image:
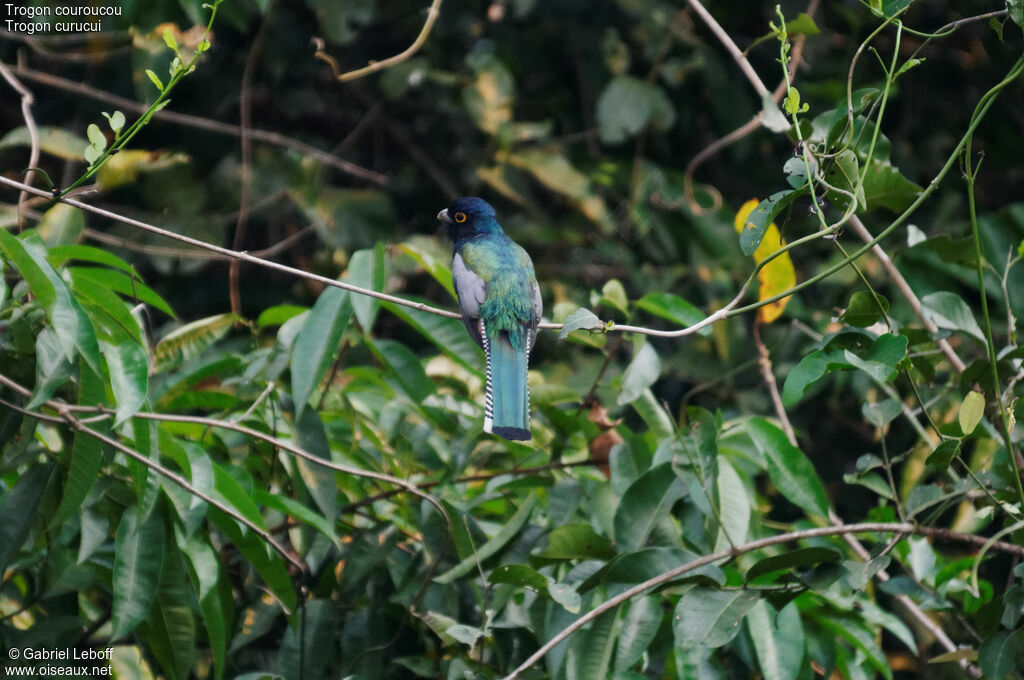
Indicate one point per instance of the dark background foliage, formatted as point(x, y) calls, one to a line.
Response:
point(577, 121)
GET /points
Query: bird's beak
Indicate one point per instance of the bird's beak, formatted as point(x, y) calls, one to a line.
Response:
point(443, 216)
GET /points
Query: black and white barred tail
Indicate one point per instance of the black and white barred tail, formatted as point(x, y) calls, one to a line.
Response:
point(507, 401)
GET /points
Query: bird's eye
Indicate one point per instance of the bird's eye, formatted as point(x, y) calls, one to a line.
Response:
point(460, 217)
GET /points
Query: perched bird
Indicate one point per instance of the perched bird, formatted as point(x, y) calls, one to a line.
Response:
point(500, 303)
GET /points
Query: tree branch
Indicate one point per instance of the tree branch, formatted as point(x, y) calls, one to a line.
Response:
point(433, 12)
point(217, 126)
point(672, 574)
point(33, 134)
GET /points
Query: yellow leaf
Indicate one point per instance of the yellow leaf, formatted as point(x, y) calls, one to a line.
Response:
point(778, 275)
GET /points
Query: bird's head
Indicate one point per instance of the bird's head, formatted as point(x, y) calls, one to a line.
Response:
point(468, 217)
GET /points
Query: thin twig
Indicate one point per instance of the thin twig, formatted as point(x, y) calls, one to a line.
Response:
point(245, 123)
point(433, 12)
point(217, 126)
point(33, 134)
point(672, 574)
point(67, 418)
point(740, 132)
point(912, 607)
point(731, 47)
point(765, 363)
point(907, 292)
point(184, 253)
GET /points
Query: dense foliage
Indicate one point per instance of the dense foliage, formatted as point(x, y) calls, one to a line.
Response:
point(224, 469)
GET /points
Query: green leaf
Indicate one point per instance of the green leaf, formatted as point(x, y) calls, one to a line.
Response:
point(943, 455)
point(778, 640)
point(581, 319)
point(800, 558)
point(576, 541)
point(170, 630)
point(844, 173)
point(641, 373)
point(53, 368)
point(614, 295)
point(852, 631)
point(773, 118)
point(638, 630)
point(59, 255)
point(673, 308)
point(808, 371)
point(494, 544)
point(52, 140)
point(764, 214)
point(891, 7)
point(69, 320)
point(319, 480)
point(106, 309)
point(138, 561)
point(169, 40)
point(627, 105)
point(115, 120)
point(881, 360)
point(61, 224)
point(190, 340)
point(885, 187)
point(566, 596)
point(923, 497)
point(128, 367)
point(863, 309)
point(287, 506)
point(317, 343)
point(128, 286)
point(948, 310)
point(1016, 11)
point(971, 411)
point(733, 507)
point(91, 154)
point(405, 368)
point(636, 567)
point(644, 504)
point(96, 136)
point(593, 654)
point(801, 25)
point(960, 654)
point(267, 563)
point(710, 618)
point(653, 414)
point(155, 79)
point(278, 314)
point(448, 335)
point(881, 413)
point(86, 452)
point(520, 575)
point(367, 269)
point(18, 510)
point(795, 170)
point(789, 469)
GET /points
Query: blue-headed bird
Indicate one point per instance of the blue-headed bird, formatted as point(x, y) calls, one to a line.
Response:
point(500, 303)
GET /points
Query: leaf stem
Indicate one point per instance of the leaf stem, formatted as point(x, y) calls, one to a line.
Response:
point(970, 174)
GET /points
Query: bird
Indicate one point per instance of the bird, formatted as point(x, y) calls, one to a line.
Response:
point(500, 303)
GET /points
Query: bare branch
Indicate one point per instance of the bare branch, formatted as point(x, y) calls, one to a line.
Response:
point(733, 49)
point(33, 134)
point(169, 116)
point(433, 12)
point(672, 574)
point(907, 292)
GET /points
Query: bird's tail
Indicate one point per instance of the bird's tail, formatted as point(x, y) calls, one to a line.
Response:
point(507, 408)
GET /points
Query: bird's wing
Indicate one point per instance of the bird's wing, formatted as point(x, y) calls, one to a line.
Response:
point(472, 291)
point(538, 310)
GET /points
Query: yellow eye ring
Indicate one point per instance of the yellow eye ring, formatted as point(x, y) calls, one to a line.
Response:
point(460, 217)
